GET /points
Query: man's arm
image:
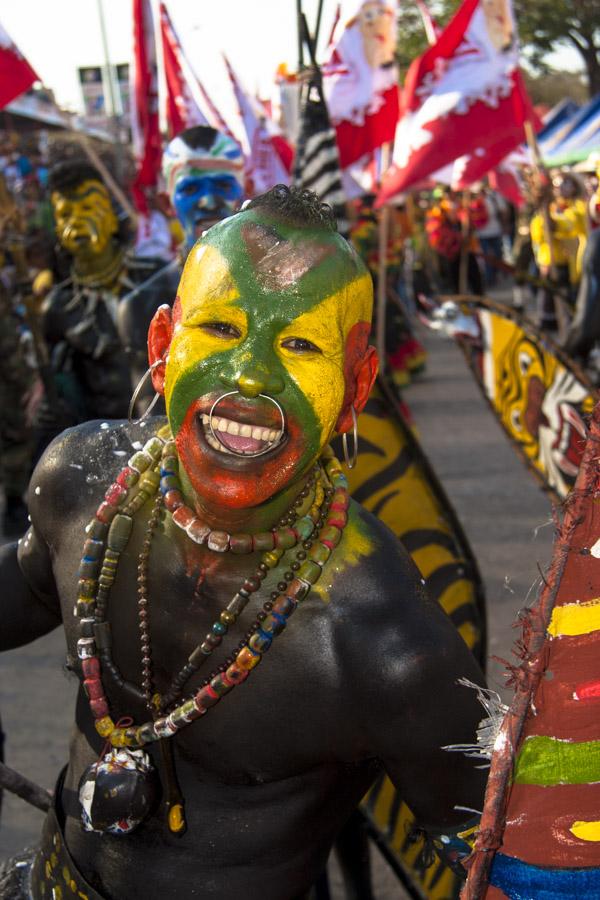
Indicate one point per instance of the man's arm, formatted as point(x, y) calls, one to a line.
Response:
point(29, 606)
point(409, 701)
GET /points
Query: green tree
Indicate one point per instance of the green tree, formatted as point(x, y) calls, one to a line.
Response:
point(546, 25)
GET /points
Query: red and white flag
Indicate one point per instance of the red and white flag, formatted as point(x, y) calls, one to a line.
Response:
point(463, 97)
point(506, 180)
point(360, 78)
point(262, 141)
point(144, 104)
point(16, 75)
point(187, 101)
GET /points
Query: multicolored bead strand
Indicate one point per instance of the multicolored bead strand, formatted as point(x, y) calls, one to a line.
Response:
point(107, 537)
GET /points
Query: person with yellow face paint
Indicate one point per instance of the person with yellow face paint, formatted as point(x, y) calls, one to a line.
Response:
point(94, 343)
point(227, 550)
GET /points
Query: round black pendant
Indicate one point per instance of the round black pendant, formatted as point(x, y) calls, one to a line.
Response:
point(118, 792)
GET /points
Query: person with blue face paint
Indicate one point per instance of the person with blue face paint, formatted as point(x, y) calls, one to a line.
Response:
point(204, 171)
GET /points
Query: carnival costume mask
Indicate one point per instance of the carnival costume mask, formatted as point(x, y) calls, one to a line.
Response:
point(85, 219)
point(203, 170)
point(267, 353)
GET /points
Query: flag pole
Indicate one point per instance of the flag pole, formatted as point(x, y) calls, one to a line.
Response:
point(561, 313)
point(383, 235)
point(111, 183)
point(463, 271)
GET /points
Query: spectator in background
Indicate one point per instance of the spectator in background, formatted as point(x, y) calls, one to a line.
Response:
point(559, 259)
point(490, 232)
point(450, 232)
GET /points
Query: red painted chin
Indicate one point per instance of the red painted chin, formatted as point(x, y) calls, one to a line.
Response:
point(238, 482)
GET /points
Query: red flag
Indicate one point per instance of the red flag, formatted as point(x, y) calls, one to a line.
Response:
point(187, 102)
point(144, 104)
point(463, 96)
point(360, 79)
point(16, 75)
point(261, 141)
point(505, 179)
point(181, 110)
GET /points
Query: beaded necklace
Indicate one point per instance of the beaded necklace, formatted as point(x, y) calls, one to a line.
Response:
point(107, 537)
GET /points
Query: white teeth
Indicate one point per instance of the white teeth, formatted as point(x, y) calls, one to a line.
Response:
point(265, 434)
point(257, 433)
point(245, 430)
point(204, 419)
point(273, 435)
point(216, 445)
point(233, 428)
point(221, 424)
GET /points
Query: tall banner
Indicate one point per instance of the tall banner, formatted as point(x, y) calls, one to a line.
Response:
point(360, 78)
point(16, 75)
point(264, 166)
point(463, 96)
point(144, 104)
point(539, 835)
point(187, 102)
point(181, 110)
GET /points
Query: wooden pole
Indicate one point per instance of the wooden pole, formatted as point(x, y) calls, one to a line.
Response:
point(562, 317)
point(300, 35)
point(463, 271)
point(24, 788)
point(383, 235)
point(111, 183)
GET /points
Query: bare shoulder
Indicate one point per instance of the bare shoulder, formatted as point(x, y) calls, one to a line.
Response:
point(381, 608)
point(77, 467)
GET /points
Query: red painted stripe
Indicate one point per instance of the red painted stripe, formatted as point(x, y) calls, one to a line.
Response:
point(588, 690)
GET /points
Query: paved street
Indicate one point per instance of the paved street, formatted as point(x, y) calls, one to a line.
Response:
point(504, 513)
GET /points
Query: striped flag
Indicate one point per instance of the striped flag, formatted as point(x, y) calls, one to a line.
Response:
point(317, 165)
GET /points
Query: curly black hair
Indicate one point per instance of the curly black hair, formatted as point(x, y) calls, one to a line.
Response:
point(296, 206)
point(199, 137)
point(64, 176)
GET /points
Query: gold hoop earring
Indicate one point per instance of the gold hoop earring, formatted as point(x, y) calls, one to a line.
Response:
point(351, 462)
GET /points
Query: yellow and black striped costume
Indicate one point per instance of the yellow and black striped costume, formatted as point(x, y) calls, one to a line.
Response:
point(394, 480)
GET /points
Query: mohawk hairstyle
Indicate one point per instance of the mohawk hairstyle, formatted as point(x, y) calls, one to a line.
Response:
point(296, 206)
point(65, 176)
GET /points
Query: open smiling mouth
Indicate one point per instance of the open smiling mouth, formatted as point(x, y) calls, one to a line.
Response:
point(240, 438)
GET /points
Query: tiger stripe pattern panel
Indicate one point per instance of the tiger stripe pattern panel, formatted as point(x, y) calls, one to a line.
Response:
point(393, 480)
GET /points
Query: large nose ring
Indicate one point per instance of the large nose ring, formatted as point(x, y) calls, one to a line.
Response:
point(215, 434)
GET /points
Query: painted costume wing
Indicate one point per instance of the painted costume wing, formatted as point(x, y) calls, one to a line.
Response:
point(540, 829)
point(394, 480)
point(539, 396)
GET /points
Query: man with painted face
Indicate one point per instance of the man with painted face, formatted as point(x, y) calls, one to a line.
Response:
point(203, 170)
point(102, 309)
point(79, 314)
point(228, 535)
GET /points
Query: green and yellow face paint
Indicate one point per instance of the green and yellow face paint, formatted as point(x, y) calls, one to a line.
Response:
point(84, 217)
point(264, 308)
